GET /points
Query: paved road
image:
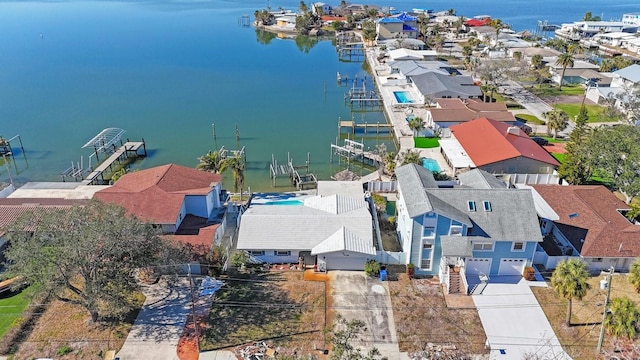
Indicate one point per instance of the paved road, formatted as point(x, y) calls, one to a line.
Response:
point(156, 331)
point(357, 296)
point(514, 322)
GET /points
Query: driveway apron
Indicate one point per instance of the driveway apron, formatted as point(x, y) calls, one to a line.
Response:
point(515, 324)
point(354, 295)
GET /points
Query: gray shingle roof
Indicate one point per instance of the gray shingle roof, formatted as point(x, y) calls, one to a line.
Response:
point(302, 227)
point(480, 179)
point(631, 73)
point(512, 216)
point(441, 86)
point(456, 246)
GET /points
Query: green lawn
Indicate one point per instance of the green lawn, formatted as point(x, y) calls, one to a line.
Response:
point(425, 143)
point(552, 140)
point(559, 157)
point(530, 119)
point(552, 90)
point(12, 305)
point(594, 112)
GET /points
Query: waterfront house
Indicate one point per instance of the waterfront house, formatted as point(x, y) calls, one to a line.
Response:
point(432, 85)
point(320, 8)
point(615, 85)
point(183, 202)
point(574, 74)
point(449, 112)
point(586, 222)
point(465, 234)
point(332, 230)
point(498, 148)
point(401, 26)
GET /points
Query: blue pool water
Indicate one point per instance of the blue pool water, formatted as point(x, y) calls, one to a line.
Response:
point(284, 202)
point(431, 165)
point(403, 97)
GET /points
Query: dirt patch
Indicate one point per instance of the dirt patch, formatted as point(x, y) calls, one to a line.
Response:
point(424, 323)
point(64, 331)
point(580, 339)
point(555, 148)
point(566, 99)
point(279, 308)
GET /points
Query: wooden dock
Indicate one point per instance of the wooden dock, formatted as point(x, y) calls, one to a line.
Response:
point(291, 171)
point(368, 128)
point(353, 150)
point(128, 150)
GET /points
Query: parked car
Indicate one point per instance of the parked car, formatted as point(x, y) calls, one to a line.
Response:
point(540, 141)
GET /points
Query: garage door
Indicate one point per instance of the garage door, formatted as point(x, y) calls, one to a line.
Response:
point(337, 261)
point(511, 266)
point(478, 266)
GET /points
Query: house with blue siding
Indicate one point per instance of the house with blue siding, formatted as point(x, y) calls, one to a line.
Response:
point(467, 233)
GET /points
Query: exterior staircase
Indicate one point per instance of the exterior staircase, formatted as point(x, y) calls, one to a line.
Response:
point(455, 283)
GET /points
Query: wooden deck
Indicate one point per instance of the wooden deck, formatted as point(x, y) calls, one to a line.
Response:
point(124, 151)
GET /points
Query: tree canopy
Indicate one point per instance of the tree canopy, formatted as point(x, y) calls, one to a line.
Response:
point(623, 318)
point(569, 280)
point(86, 255)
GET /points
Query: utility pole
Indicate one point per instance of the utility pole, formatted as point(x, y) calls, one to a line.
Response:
point(604, 311)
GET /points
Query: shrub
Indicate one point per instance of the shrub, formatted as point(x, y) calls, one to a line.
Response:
point(371, 267)
point(239, 259)
point(64, 350)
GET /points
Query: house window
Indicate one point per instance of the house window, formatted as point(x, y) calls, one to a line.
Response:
point(425, 264)
point(427, 255)
point(256, 252)
point(483, 246)
point(517, 246)
point(429, 232)
point(471, 205)
point(282, 253)
point(455, 230)
point(487, 205)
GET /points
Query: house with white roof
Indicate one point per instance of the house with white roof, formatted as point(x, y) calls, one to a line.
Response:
point(333, 230)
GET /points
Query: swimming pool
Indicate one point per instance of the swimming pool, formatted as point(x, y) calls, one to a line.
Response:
point(283, 202)
point(403, 97)
point(431, 165)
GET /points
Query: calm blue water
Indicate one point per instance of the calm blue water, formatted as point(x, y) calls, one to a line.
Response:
point(166, 71)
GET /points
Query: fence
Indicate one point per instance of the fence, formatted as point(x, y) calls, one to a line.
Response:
point(382, 186)
point(392, 258)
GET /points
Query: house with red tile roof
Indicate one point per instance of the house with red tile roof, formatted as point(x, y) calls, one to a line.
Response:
point(449, 112)
point(585, 221)
point(12, 208)
point(498, 148)
point(184, 202)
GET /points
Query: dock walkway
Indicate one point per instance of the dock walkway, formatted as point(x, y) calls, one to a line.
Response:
point(130, 148)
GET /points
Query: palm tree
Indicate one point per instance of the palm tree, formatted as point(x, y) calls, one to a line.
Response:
point(411, 157)
point(566, 59)
point(416, 124)
point(557, 120)
point(623, 318)
point(569, 280)
point(210, 162)
point(235, 164)
point(634, 275)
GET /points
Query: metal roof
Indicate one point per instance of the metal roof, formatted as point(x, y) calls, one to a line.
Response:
point(344, 240)
point(105, 139)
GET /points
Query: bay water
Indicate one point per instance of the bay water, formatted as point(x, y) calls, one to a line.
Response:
point(166, 71)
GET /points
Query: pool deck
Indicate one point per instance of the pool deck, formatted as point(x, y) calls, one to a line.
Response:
point(397, 113)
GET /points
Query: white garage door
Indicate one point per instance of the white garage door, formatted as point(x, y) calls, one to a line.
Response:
point(337, 261)
point(478, 266)
point(511, 266)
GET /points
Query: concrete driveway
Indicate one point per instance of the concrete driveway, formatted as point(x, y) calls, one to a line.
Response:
point(156, 331)
point(357, 296)
point(514, 322)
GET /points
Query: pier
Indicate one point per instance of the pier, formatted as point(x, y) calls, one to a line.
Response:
point(362, 97)
point(106, 142)
point(291, 171)
point(5, 146)
point(367, 128)
point(353, 150)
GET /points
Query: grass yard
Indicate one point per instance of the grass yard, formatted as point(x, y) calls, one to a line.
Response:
point(279, 307)
point(421, 316)
point(426, 143)
point(552, 90)
point(12, 304)
point(530, 119)
point(580, 340)
point(595, 111)
point(559, 157)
